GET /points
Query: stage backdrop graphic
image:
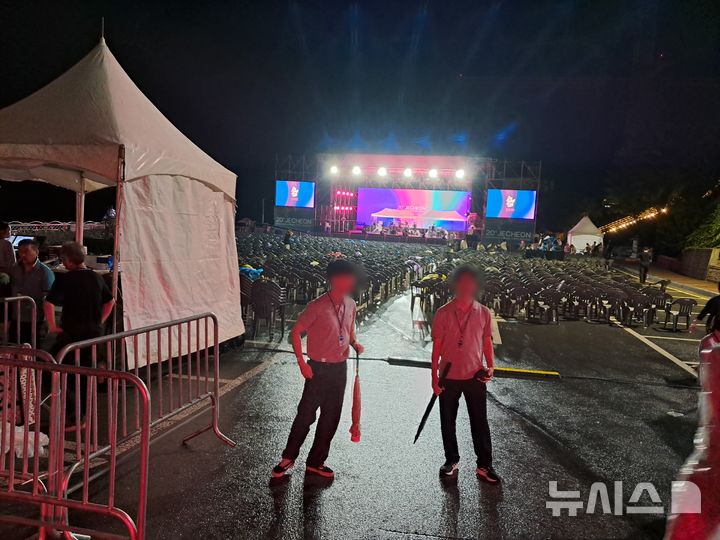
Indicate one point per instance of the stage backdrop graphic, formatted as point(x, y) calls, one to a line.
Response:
point(510, 204)
point(295, 194)
point(421, 207)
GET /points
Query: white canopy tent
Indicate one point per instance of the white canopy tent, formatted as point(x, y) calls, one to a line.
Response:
point(93, 128)
point(585, 232)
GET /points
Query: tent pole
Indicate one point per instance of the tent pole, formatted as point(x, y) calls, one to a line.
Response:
point(80, 213)
point(116, 238)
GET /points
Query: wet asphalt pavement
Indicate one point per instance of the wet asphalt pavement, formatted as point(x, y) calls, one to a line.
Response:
point(619, 412)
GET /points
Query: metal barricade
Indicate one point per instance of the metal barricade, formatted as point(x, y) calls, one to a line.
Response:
point(33, 479)
point(11, 309)
point(174, 361)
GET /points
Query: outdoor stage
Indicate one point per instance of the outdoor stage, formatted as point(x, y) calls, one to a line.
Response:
point(416, 197)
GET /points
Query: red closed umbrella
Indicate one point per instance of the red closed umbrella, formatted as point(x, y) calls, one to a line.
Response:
point(356, 406)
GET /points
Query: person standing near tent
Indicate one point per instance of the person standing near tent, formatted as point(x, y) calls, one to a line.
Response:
point(330, 325)
point(29, 277)
point(84, 296)
point(7, 260)
point(462, 336)
point(87, 303)
point(7, 252)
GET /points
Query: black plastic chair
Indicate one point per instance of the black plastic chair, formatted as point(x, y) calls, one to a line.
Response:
point(268, 301)
point(682, 307)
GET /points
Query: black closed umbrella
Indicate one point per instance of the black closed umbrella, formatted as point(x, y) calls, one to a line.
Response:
point(429, 408)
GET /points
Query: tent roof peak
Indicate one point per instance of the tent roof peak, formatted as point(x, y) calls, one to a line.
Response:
point(79, 121)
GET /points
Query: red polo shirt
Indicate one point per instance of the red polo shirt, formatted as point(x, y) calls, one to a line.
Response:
point(466, 359)
point(325, 322)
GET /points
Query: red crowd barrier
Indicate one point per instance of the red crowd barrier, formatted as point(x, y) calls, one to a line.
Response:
point(178, 361)
point(13, 305)
point(88, 434)
point(34, 398)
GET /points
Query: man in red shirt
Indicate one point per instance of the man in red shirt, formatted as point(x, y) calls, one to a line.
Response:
point(462, 336)
point(330, 325)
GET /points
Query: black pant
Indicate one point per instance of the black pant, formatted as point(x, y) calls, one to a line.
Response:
point(26, 332)
point(66, 338)
point(643, 273)
point(476, 400)
point(325, 391)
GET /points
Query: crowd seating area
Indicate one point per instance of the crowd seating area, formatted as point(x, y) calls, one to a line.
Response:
point(275, 279)
point(548, 291)
point(537, 290)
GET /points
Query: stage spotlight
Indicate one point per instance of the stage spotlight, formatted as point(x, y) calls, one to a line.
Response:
point(356, 170)
point(382, 171)
point(433, 173)
point(460, 174)
point(407, 173)
point(334, 169)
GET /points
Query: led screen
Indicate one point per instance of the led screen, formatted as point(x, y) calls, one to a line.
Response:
point(421, 208)
point(511, 204)
point(295, 194)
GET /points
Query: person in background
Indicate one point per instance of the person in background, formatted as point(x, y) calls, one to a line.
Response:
point(645, 260)
point(7, 260)
point(287, 237)
point(330, 325)
point(462, 337)
point(711, 310)
point(29, 277)
point(84, 296)
point(86, 304)
point(109, 221)
point(608, 256)
point(7, 252)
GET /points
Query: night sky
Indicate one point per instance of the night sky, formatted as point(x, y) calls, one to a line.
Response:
point(581, 85)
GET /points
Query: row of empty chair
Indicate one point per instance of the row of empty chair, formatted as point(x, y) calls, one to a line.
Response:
point(292, 277)
point(547, 291)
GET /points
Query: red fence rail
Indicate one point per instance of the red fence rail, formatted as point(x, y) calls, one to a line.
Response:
point(36, 479)
point(178, 361)
point(11, 308)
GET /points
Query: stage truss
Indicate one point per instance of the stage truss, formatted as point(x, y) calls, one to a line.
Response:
point(32, 228)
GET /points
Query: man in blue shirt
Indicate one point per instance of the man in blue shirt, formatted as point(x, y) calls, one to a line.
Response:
point(29, 277)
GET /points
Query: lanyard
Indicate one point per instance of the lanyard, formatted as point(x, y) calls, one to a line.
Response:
point(340, 320)
point(462, 327)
